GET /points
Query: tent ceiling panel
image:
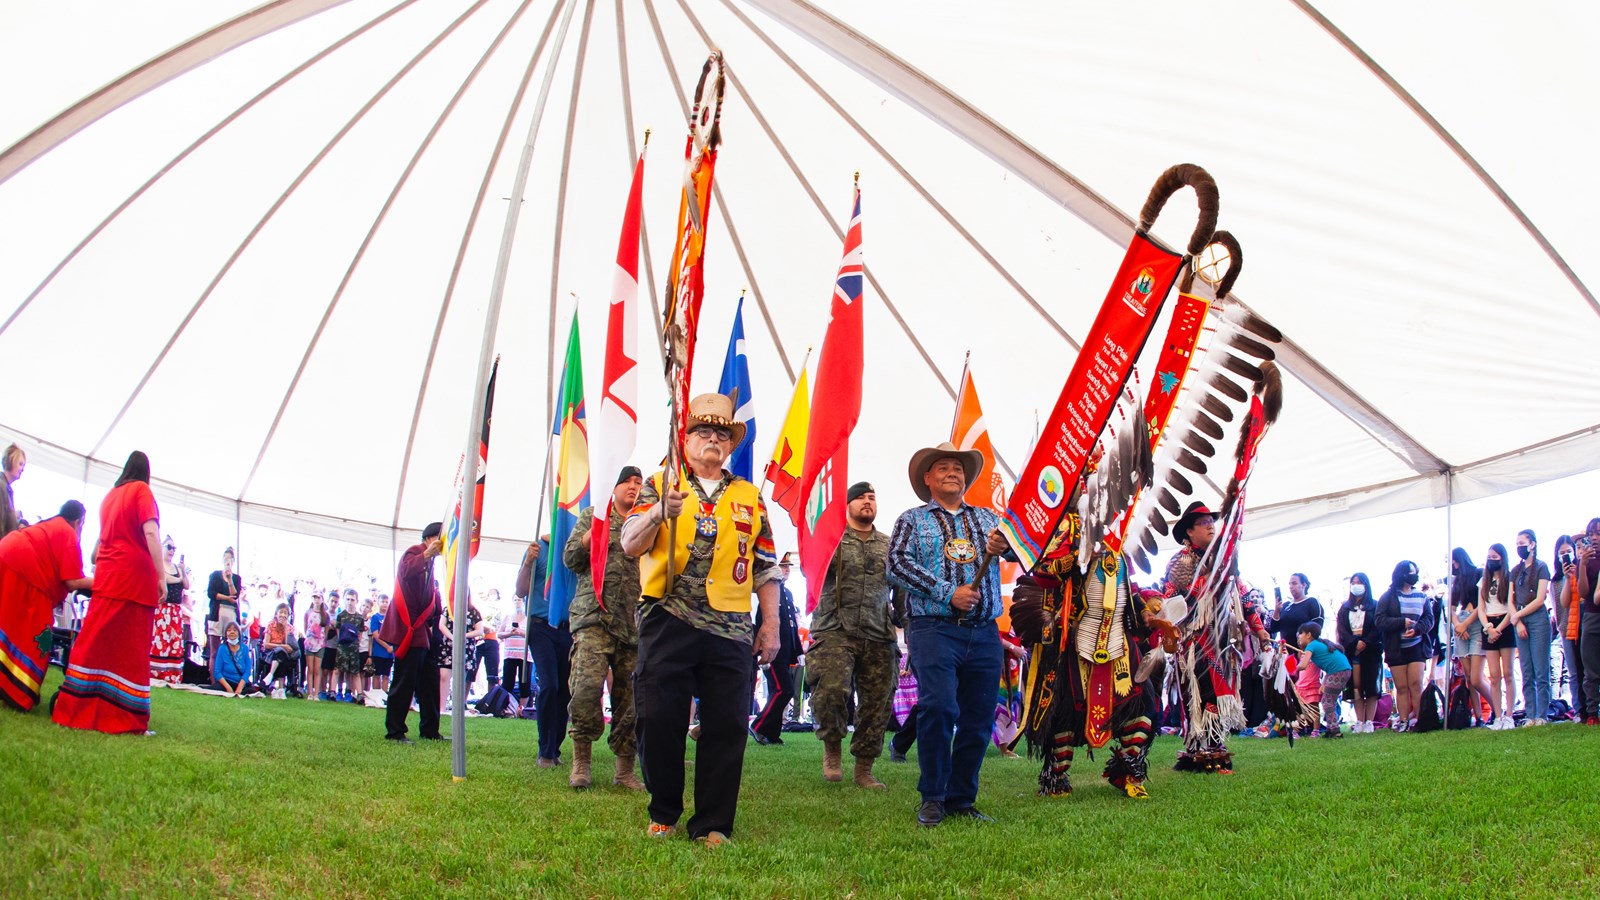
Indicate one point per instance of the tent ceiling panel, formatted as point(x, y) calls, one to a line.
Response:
point(1390, 264)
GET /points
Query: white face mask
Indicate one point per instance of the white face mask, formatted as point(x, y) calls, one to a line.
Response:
point(1358, 590)
point(233, 642)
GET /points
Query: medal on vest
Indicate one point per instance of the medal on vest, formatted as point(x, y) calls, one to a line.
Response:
point(741, 570)
point(706, 522)
point(960, 551)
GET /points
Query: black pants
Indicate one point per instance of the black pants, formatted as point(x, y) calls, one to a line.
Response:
point(486, 653)
point(907, 735)
point(551, 651)
point(415, 677)
point(515, 676)
point(677, 663)
point(1252, 693)
point(780, 693)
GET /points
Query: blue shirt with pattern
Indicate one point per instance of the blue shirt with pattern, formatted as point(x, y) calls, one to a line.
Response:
point(933, 551)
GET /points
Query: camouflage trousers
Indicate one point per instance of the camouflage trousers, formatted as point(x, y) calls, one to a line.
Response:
point(596, 652)
point(835, 664)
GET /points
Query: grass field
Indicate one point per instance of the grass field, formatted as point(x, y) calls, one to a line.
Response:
point(270, 798)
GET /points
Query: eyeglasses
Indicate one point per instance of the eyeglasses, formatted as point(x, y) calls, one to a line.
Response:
point(710, 432)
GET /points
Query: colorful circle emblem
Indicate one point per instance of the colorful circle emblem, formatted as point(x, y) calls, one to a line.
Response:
point(1052, 486)
point(1146, 282)
point(960, 550)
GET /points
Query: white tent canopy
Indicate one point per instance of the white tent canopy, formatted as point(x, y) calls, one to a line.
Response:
point(263, 255)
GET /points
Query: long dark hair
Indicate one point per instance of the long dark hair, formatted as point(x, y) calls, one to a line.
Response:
point(1366, 598)
point(137, 468)
point(1533, 549)
point(1464, 580)
point(1402, 571)
point(1501, 579)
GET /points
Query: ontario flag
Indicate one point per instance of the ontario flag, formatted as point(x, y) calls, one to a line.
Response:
point(452, 533)
point(572, 477)
point(616, 422)
point(789, 456)
point(827, 454)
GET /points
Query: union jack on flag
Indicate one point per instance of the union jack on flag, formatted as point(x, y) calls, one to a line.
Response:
point(827, 464)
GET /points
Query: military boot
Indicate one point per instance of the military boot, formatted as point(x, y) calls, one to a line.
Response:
point(832, 762)
point(864, 777)
point(580, 764)
point(624, 776)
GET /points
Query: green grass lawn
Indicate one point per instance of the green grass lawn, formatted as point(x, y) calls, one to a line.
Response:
point(290, 798)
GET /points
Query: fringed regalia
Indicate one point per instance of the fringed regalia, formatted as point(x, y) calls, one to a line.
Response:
point(1214, 647)
point(1080, 683)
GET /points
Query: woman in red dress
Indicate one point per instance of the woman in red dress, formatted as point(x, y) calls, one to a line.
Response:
point(108, 678)
point(166, 645)
point(38, 566)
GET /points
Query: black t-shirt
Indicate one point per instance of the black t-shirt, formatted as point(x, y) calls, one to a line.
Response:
point(1295, 615)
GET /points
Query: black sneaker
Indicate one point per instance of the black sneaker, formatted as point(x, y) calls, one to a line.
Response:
point(896, 755)
point(930, 813)
point(399, 740)
point(969, 812)
point(759, 738)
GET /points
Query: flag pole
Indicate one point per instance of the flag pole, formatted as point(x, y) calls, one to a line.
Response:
point(527, 657)
point(955, 418)
point(469, 512)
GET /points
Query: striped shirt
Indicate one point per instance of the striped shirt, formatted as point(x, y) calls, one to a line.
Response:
point(933, 551)
point(1411, 604)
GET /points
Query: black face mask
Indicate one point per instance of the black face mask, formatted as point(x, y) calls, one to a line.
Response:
point(1493, 565)
point(1523, 551)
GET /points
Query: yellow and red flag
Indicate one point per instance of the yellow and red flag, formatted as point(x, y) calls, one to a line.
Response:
point(789, 456)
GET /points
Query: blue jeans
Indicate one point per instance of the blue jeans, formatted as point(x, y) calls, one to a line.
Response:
point(1533, 653)
point(958, 673)
point(550, 648)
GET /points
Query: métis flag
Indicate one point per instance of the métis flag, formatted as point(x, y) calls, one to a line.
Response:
point(617, 420)
point(572, 477)
point(452, 533)
point(789, 456)
point(825, 473)
point(736, 384)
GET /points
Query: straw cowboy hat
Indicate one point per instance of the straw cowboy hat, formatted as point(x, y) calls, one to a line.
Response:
point(923, 460)
point(717, 409)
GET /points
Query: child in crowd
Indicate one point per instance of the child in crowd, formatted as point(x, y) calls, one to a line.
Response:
point(277, 648)
point(348, 628)
point(316, 630)
point(382, 653)
point(1335, 667)
point(365, 645)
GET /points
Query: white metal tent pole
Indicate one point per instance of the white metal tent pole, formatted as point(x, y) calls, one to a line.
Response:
point(469, 512)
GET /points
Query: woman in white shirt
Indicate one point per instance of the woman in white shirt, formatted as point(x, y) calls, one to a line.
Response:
point(1499, 635)
point(513, 628)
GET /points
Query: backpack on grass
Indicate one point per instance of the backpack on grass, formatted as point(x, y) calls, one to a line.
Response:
point(1431, 716)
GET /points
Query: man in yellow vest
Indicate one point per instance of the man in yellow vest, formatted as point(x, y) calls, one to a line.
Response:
point(696, 639)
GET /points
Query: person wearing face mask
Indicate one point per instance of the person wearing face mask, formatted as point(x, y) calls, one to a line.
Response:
point(1403, 618)
point(230, 671)
point(1499, 637)
point(1357, 627)
point(1466, 623)
point(1569, 618)
point(1530, 587)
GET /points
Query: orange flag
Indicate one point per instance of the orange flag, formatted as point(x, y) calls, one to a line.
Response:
point(971, 432)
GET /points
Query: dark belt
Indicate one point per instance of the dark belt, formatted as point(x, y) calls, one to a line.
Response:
point(962, 621)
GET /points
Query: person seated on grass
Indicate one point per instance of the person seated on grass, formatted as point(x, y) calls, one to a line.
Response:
point(230, 671)
point(1335, 667)
point(278, 650)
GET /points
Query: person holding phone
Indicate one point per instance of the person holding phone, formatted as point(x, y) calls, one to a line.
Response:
point(1403, 618)
point(1568, 623)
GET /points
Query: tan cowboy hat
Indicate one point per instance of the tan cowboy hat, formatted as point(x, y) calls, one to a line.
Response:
point(923, 460)
point(717, 409)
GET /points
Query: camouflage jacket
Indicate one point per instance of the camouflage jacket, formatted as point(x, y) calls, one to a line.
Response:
point(620, 618)
point(855, 593)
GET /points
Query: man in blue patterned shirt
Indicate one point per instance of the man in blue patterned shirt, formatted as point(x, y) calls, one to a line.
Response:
point(934, 557)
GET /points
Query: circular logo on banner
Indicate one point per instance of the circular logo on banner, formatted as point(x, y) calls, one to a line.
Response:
point(960, 550)
point(1051, 486)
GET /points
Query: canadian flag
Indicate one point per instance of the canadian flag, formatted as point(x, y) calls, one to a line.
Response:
point(615, 428)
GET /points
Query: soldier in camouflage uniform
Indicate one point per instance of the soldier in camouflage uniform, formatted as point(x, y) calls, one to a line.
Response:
point(604, 639)
point(853, 644)
point(695, 634)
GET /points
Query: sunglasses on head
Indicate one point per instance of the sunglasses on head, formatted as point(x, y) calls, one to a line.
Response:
point(713, 431)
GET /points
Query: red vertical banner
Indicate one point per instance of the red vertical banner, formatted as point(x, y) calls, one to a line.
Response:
point(1120, 330)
